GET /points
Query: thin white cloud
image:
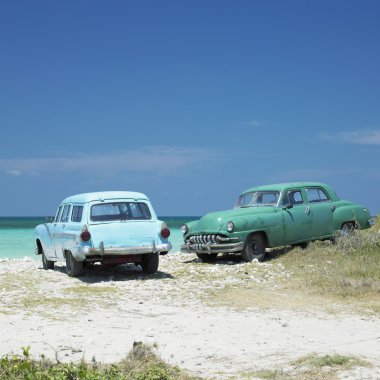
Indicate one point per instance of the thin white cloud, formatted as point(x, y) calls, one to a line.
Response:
point(255, 123)
point(328, 175)
point(365, 137)
point(14, 172)
point(262, 123)
point(150, 159)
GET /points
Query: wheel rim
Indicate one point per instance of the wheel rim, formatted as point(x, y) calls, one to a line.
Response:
point(254, 247)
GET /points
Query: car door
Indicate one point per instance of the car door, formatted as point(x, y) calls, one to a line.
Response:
point(53, 227)
point(296, 216)
point(321, 210)
point(59, 230)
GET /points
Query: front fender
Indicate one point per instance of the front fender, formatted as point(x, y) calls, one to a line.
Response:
point(269, 224)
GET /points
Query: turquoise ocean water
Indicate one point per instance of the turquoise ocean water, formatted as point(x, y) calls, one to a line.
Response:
point(17, 235)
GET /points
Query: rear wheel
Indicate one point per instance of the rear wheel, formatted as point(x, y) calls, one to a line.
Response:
point(46, 264)
point(207, 257)
point(150, 262)
point(73, 268)
point(254, 248)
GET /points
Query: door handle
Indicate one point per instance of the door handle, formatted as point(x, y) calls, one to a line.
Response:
point(332, 208)
point(307, 210)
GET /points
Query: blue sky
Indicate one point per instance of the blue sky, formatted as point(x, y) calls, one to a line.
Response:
point(190, 102)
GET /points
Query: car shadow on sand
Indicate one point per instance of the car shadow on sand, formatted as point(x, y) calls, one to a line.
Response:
point(220, 260)
point(234, 259)
point(126, 272)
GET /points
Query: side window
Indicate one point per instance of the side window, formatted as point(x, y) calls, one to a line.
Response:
point(316, 195)
point(65, 214)
point(76, 215)
point(58, 214)
point(292, 197)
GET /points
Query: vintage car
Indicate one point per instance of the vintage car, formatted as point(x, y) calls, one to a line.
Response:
point(271, 216)
point(112, 228)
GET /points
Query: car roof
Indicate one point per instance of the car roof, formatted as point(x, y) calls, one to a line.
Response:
point(284, 186)
point(104, 196)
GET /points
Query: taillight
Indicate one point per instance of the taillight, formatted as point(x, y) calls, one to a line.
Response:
point(165, 232)
point(85, 234)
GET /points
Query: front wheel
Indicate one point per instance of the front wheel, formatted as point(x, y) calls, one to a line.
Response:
point(254, 248)
point(46, 264)
point(150, 262)
point(73, 268)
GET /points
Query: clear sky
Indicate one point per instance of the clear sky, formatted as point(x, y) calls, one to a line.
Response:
point(190, 102)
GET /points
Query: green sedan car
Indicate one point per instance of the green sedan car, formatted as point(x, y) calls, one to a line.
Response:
point(271, 216)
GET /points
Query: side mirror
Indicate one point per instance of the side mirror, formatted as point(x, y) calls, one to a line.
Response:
point(288, 206)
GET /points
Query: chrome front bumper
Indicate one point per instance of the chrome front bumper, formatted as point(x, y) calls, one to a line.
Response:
point(138, 250)
point(212, 248)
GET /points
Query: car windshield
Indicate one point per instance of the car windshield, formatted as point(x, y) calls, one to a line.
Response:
point(104, 212)
point(258, 199)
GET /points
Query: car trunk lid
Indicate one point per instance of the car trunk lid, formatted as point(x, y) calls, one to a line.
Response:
point(124, 233)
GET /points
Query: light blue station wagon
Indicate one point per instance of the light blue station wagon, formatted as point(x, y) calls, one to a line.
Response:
point(114, 227)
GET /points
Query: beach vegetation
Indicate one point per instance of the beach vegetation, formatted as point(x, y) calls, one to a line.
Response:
point(329, 275)
point(346, 270)
point(87, 290)
point(142, 363)
point(311, 367)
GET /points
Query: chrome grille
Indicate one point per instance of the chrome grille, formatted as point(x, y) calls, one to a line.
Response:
point(205, 239)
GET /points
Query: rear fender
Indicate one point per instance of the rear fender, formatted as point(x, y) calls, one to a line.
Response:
point(44, 241)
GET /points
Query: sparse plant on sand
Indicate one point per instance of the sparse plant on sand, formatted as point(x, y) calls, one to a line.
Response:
point(142, 363)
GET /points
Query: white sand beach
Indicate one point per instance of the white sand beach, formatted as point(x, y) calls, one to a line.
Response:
point(102, 313)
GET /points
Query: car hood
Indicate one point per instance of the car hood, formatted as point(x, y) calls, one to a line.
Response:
point(124, 234)
point(216, 221)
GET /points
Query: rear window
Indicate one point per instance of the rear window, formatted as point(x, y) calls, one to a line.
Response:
point(65, 214)
point(316, 195)
point(103, 212)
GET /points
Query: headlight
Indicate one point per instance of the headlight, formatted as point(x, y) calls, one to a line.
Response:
point(184, 229)
point(230, 226)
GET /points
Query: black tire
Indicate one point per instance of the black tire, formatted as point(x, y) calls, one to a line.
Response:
point(150, 262)
point(163, 253)
point(207, 257)
point(254, 248)
point(46, 264)
point(73, 268)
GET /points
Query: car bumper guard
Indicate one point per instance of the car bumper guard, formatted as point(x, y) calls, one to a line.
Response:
point(132, 250)
point(212, 248)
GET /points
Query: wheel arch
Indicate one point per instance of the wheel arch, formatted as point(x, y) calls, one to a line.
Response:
point(39, 247)
point(353, 222)
point(262, 233)
point(65, 252)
